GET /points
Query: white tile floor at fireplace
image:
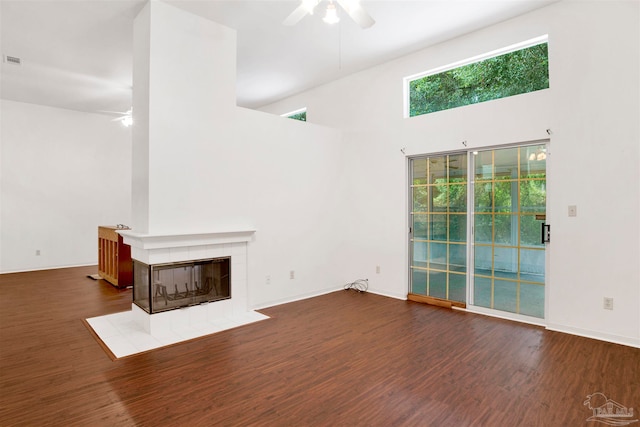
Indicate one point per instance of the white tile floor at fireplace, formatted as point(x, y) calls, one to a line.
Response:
point(125, 337)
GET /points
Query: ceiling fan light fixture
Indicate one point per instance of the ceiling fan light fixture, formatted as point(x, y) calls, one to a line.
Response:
point(331, 16)
point(538, 155)
point(352, 8)
point(127, 121)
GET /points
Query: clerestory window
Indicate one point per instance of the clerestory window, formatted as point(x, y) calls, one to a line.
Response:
point(300, 114)
point(511, 71)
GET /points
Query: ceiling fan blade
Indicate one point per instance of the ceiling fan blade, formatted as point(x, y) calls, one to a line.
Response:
point(123, 113)
point(357, 13)
point(295, 16)
point(306, 7)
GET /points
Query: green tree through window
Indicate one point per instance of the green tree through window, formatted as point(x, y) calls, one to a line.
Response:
point(522, 71)
point(302, 116)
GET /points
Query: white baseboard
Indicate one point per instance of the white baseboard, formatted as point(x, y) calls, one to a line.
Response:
point(301, 297)
point(50, 268)
point(386, 294)
point(318, 293)
point(612, 338)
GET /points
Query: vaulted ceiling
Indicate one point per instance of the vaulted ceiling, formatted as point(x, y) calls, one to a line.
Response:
point(77, 54)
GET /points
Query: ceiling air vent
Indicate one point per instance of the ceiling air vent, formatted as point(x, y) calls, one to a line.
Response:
point(12, 59)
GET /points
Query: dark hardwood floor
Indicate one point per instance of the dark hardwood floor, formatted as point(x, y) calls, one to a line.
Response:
point(342, 359)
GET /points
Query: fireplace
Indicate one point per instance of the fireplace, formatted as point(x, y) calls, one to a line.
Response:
point(196, 272)
point(162, 287)
point(183, 289)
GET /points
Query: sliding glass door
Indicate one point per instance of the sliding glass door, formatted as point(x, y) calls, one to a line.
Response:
point(478, 241)
point(439, 229)
point(509, 209)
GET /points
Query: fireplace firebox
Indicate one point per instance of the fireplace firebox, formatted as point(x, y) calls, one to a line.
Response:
point(162, 287)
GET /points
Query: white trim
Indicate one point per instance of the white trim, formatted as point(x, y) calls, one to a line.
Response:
point(319, 293)
point(600, 336)
point(55, 267)
point(295, 298)
point(163, 241)
point(387, 294)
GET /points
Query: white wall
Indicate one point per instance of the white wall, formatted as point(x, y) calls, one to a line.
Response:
point(290, 182)
point(331, 205)
point(596, 153)
point(63, 173)
point(592, 109)
point(210, 166)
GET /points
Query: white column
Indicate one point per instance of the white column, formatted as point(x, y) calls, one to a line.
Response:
point(184, 117)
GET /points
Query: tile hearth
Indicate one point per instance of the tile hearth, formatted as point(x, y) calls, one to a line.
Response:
point(124, 336)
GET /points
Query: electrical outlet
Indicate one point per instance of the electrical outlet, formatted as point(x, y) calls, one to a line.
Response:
point(37, 252)
point(608, 303)
point(377, 269)
point(573, 210)
point(267, 280)
point(292, 274)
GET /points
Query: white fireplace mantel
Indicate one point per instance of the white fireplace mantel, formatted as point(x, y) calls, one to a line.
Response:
point(162, 248)
point(163, 241)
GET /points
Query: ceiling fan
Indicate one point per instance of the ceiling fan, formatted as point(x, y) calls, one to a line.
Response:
point(352, 7)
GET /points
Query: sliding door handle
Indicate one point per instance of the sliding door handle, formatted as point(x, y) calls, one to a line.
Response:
point(545, 233)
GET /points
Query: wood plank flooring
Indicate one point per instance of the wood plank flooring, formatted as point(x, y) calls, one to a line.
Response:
point(342, 359)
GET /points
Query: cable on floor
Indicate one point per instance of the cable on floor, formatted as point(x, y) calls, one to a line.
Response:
point(360, 285)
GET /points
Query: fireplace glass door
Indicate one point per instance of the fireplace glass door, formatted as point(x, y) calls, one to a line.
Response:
point(164, 287)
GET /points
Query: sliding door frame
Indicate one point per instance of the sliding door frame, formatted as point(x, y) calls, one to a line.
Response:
point(468, 305)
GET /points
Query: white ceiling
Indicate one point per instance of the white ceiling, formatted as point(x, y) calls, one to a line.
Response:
point(77, 54)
